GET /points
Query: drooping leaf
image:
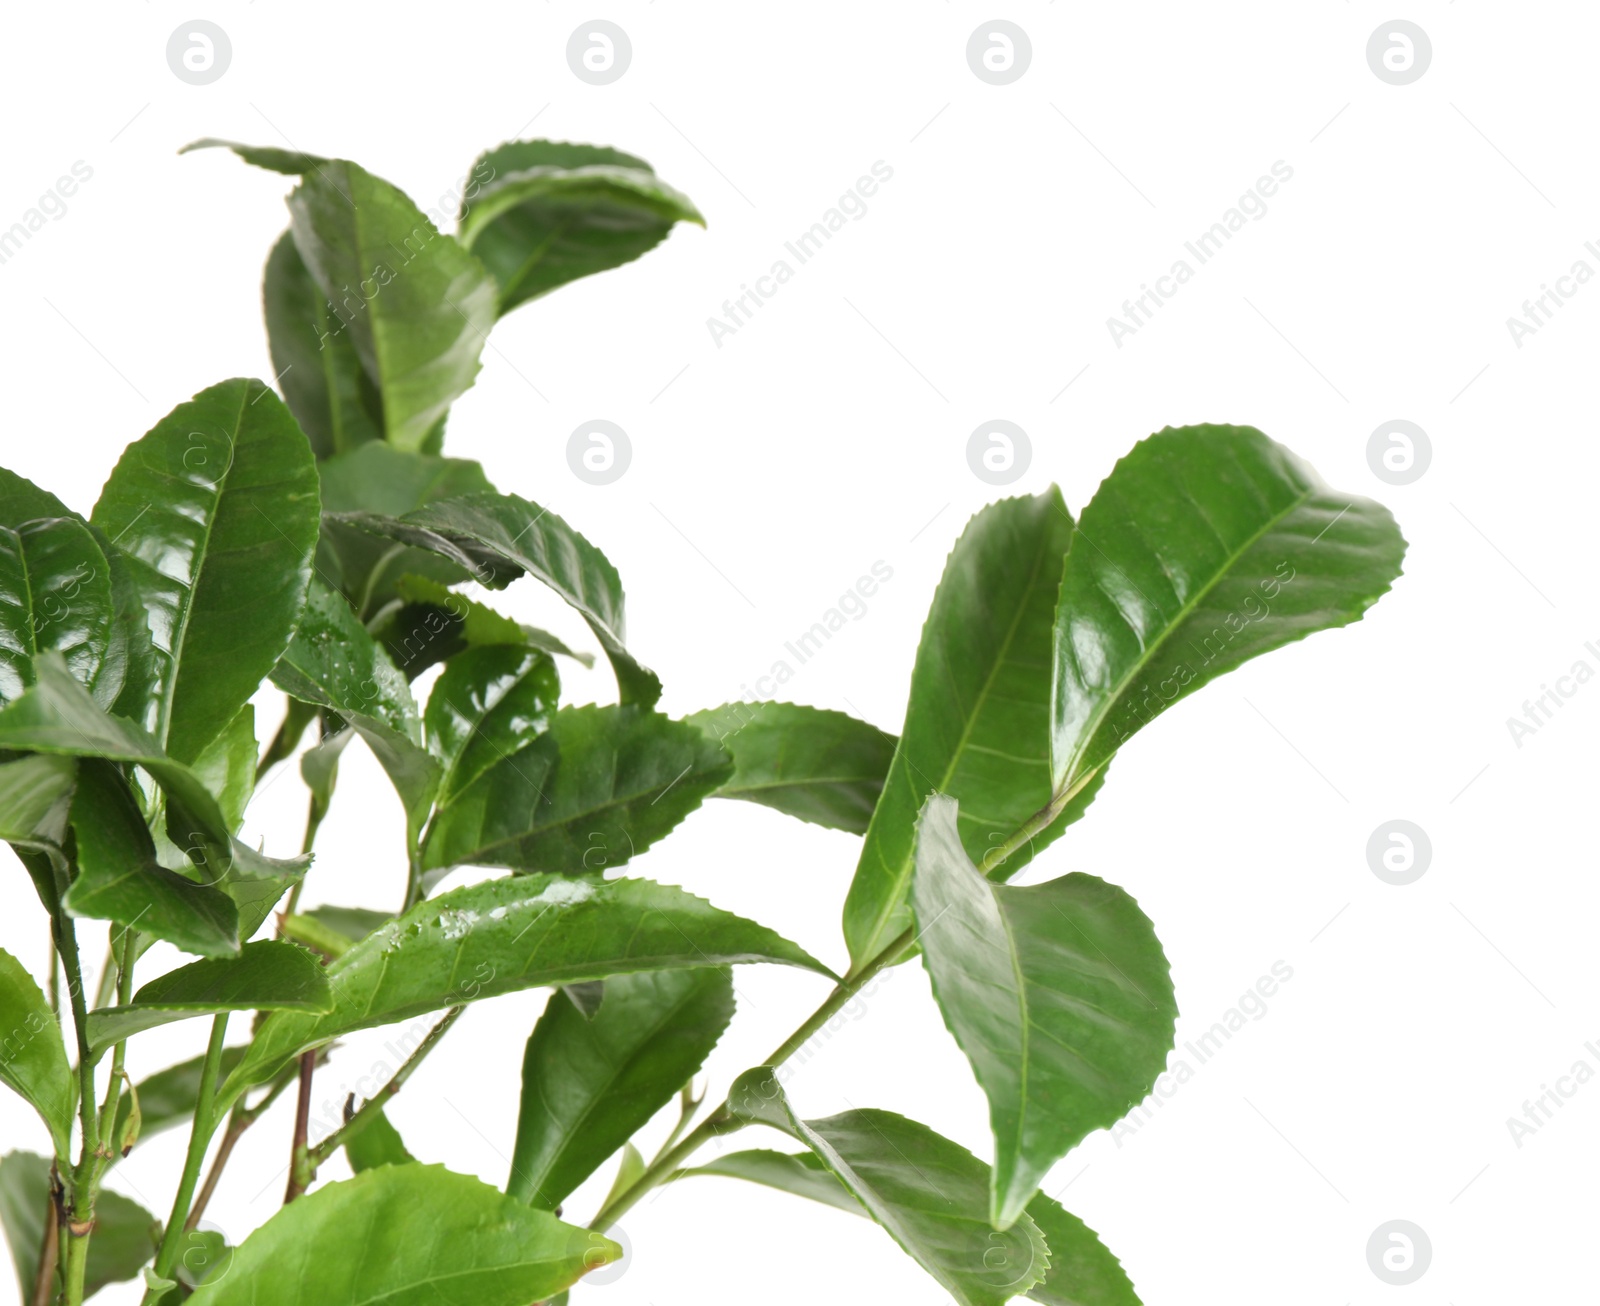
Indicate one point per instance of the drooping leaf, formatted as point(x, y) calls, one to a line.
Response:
point(1059, 994)
point(314, 358)
point(333, 930)
point(415, 305)
point(1206, 546)
point(122, 1240)
point(432, 623)
point(588, 1085)
point(1082, 1272)
point(55, 593)
point(824, 767)
point(334, 663)
point(498, 537)
point(216, 511)
point(167, 1098)
point(381, 479)
point(598, 787)
point(541, 213)
point(978, 719)
point(929, 1194)
point(506, 935)
point(376, 1143)
point(33, 1060)
point(290, 162)
point(266, 976)
point(406, 1235)
point(120, 879)
point(490, 702)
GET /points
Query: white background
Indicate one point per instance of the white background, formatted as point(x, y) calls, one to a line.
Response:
point(830, 433)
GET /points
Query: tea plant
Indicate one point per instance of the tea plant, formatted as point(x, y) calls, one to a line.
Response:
point(318, 541)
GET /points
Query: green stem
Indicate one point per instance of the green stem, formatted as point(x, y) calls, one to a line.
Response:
point(722, 1121)
point(108, 1112)
point(1036, 824)
point(73, 1266)
point(334, 1141)
point(80, 1221)
point(205, 1111)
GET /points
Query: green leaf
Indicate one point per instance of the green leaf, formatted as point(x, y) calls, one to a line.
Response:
point(35, 797)
point(507, 935)
point(589, 1085)
point(1206, 546)
point(416, 306)
point(292, 162)
point(802, 1174)
point(824, 767)
point(407, 1235)
point(33, 1060)
point(490, 702)
point(498, 537)
point(216, 511)
point(1059, 994)
point(55, 593)
point(433, 623)
point(119, 878)
point(333, 662)
point(376, 1143)
point(314, 358)
point(227, 767)
point(202, 1254)
point(978, 719)
point(381, 479)
point(550, 213)
point(1082, 1272)
point(630, 1169)
point(167, 1098)
point(332, 930)
point(929, 1194)
point(598, 787)
point(123, 1229)
point(265, 976)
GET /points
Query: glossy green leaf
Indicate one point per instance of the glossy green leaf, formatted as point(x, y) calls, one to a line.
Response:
point(406, 1235)
point(1059, 994)
point(1206, 546)
point(333, 930)
point(227, 767)
point(929, 1194)
point(380, 479)
point(432, 623)
point(416, 306)
point(123, 1230)
point(334, 663)
point(540, 214)
point(1082, 1272)
point(266, 976)
point(216, 510)
point(35, 798)
point(824, 767)
point(376, 1143)
point(598, 787)
point(588, 1085)
point(167, 1098)
point(512, 934)
point(55, 593)
point(120, 879)
point(499, 537)
point(978, 720)
point(33, 1060)
point(314, 358)
point(490, 702)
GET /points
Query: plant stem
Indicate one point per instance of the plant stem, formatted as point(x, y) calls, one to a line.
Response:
point(44, 1277)
point(199, 1138)
point(329, 1145)
point(1036, 824)
point(300, 1169)
point(108, 1112)
point(80, 1221)
point(721, 1121)
point(239, 1120)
